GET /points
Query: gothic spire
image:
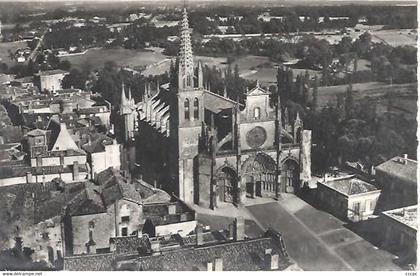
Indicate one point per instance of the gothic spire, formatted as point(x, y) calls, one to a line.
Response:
point(129, 93)
point(186, 63)
point(123, 97)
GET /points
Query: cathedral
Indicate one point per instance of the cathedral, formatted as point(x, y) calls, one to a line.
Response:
point(215, 150)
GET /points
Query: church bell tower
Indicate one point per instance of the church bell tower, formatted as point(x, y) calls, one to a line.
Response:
point(189, 114)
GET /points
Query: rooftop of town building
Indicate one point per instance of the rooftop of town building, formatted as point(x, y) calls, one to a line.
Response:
point(405, 215)
point(348, 185)
point(401, 167)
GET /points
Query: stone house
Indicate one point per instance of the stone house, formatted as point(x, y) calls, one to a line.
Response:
point(348, 197)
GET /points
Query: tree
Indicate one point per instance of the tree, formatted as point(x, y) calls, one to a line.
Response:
point(349, 102)
point(75, 79)
point(315, 95)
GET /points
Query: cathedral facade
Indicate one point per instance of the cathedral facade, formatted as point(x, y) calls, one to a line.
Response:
point(213, 149)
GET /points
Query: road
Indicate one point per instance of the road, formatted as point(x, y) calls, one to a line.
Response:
point(317, 240)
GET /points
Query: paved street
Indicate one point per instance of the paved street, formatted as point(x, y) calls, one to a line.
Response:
point(317, 240)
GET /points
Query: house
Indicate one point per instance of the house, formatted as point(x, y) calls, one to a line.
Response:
point(102, 152)
point(397, 179)
point(34, 212)
point(200, 251)
point(399, 227)
point(348, 197)
point(50, 81)
point(116, 207)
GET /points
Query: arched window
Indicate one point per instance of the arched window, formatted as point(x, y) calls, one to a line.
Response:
point(196, 109)
point(187, 109)
point(257, 113)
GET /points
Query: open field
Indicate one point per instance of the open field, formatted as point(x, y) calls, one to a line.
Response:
point(395, 38)
point(96, 57)
point(328, 95)
point(12, 46)
point(404, 102)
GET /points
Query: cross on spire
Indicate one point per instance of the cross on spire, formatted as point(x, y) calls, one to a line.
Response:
point(186, 63)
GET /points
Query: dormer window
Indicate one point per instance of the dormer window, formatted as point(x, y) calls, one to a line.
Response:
point(257, 113)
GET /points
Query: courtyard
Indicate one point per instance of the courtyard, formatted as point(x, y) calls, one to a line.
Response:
point(317, 240)
point(314, 239)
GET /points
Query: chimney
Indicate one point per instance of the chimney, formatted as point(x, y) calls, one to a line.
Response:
point(405, 158)
point(155, 183)
point(239, 229)
point(155, 246)
point(271, 261)
point(75, 170)
point(29, 177)
point(218, 264)
point(199, 234)
point(231, 230)
point(172, 209)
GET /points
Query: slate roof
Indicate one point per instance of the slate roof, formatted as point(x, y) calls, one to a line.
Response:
point(396, 168)
point(350, 186)
point(60, 136)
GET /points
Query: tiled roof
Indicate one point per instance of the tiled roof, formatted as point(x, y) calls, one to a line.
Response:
point(36, 202)
point(57, 169)
point(151, 194)
point(247, 255)
point(114, 187)
point(36, 132)
point(88, 202)
point(350, 186)
point(405, 215)
point(51, 72)
point(132, 244)
point(13, 171)
point(92, 110)
point(216, 103)
point(397, 168)
point(98, 142)
point(244, 255)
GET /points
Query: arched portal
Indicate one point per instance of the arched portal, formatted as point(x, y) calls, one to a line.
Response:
point(226, 184)
point(290, 175)
point(259, 175)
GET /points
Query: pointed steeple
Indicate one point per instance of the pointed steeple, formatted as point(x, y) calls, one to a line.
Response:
point(129, 94)
point(298, 120)
point(186, 63)
point(123, 97)
point(200, 75)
